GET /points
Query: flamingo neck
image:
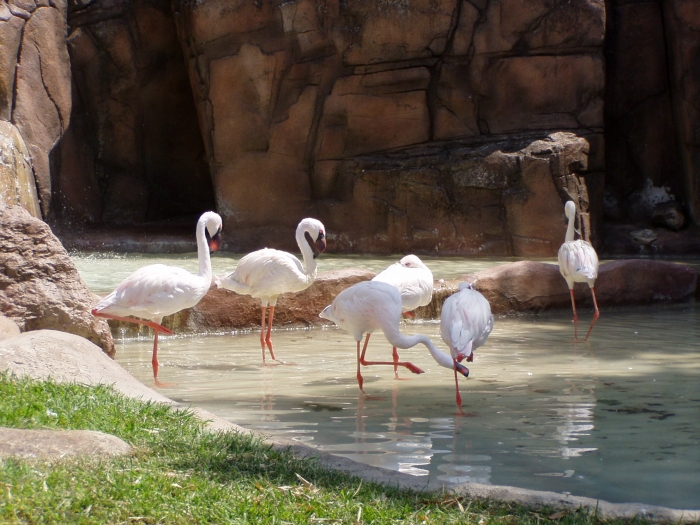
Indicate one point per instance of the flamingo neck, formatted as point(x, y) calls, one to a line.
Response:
point(570, 228)
point(307, 255)
point(397, 339)
point(203, 252)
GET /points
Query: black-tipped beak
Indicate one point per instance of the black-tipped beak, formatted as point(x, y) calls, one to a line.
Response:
point(463, 370)
point(318, 246)
point(215, 241)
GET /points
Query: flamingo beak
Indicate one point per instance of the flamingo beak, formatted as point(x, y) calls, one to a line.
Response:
point(215, 241)
point(463, 370)
point(318, 246)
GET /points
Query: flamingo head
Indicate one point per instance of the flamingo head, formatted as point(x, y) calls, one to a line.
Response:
point(570, 209)
point(314, 234)
point(411, 261)
point(462, 369)
point(212, 230)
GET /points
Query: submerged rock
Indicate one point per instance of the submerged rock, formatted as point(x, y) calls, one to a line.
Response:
point(39, 285)
point(669, 215)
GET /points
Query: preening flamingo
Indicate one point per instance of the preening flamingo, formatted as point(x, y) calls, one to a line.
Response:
point(414, 281)
point(578, 263)
point(370, 305)
point(465, 325)
point(157, 290)
point(267, 273)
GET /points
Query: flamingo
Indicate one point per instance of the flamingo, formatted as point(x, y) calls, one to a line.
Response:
point(267, 273)
point(465, 325)
point(414, 280)
point(372, 305)
point(578, 263)
point(157, 290)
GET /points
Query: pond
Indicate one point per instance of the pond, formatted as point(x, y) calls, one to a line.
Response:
point(617, 418)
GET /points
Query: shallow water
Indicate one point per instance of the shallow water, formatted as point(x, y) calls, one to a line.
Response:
point(617, 418)
point(103, 272)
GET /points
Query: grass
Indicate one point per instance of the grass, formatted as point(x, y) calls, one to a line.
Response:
point(181, 474)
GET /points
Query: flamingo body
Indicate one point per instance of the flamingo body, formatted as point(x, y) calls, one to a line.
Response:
point(578, 263)
point(373, 305)
point(412, 278)
point(465, 322)
point(157, 290)
point(267, 273)
point(465, 325)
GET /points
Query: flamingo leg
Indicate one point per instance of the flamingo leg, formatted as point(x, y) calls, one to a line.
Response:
point(268, 339)
point(364, 348)
point(595, 315)
point(262, 332)
point(154, 362)
point(150, 324)
point(458, 396)
point(396, 363)
point(413, 368)
point(359, 374)
point(573, 305)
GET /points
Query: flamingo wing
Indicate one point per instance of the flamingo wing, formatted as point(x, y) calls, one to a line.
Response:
point(266, 273)
point(155, 291)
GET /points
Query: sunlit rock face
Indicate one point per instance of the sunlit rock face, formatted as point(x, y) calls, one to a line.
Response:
point(377, 116)
point(35, 89)
point(17, 185)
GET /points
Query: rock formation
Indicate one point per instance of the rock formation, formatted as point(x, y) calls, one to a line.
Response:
point(330, 106)
point(35, 87)
point(39, 284)
point(17, 184)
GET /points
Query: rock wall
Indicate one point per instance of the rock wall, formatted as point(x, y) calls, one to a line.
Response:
point(652, 107)
point(35, 92)
point(134, 150)
point(292, 95)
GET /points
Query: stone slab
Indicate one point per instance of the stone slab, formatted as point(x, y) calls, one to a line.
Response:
point(58, 444)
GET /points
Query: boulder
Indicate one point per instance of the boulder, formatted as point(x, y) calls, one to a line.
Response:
point(669, 215)
point(8, 328)
point(58, 444)
point(530, 286)
point(39, 284)
point(222, 310)
point(68, 358)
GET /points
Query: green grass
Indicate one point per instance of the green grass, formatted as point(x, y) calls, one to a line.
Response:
point(180, 473)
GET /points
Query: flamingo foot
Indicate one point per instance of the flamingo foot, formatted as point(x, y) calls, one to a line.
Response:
point(413, 368)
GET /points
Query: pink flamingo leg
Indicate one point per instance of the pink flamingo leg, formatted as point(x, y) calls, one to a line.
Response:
point(151, 324)
point(396, 363)
point(573, 305)
point(360, 381)
point(268, 339)
point(156, 329)
point(458, 396)
point(262, 332)
point(413, 368)
point(595, 315)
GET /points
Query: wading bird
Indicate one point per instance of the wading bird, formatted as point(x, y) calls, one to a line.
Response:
point(157, 290)
point(267, 273)
point(465, 325)
point(414, 281)
point(370, 305)
point(578, 263)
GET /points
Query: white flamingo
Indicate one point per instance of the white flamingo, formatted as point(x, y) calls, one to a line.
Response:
point(465, 325)
point(370, 305)
point(267, 273)
point(578, 263)
point(414, 280)
point(157, 290)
